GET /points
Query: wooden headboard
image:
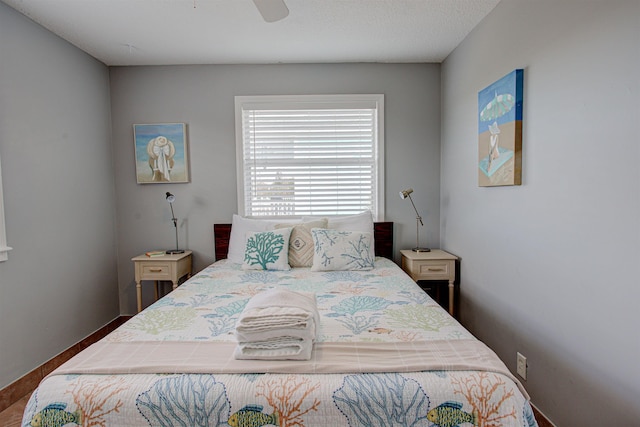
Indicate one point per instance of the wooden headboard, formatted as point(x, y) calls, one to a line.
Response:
point(383, 236)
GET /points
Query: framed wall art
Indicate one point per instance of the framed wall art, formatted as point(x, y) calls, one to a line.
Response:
point(500, 132)
point(161, 153)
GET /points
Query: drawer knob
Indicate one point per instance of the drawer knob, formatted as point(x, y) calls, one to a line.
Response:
point(155, 270)
point(435, 269)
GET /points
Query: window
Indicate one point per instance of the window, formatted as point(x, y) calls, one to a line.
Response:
point(4, 249)
point(310, 155)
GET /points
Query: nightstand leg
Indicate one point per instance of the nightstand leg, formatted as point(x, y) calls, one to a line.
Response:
point(451, 298)
point(139, 296)
point(175, 285)
point(156, 290)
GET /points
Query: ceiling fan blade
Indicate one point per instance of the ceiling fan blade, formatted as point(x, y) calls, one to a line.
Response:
point(272, 10)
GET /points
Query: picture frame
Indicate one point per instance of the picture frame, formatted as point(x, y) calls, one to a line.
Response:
point(500, 131)
point(161, 153)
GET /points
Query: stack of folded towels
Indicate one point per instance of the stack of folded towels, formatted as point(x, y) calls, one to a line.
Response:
point(278, 324)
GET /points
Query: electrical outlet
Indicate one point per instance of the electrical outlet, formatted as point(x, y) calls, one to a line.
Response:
point(521, 366)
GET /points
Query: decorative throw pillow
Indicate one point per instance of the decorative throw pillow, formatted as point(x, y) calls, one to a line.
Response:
point(301, 242)
point(362, 222)
point(267, 250)
point(341, 250)
point(238, 239)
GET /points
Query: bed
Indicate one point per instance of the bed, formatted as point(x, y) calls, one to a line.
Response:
point(386, 355)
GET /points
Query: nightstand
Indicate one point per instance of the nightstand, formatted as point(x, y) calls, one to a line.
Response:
point(165, 267)
point(434, 265)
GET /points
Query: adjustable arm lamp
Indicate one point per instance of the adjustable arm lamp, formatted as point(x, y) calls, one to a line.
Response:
point(403, 195)
point(171, 198)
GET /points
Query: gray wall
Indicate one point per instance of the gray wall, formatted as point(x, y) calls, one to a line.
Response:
point(203, 97)
point(60, 283)
point(551, 268)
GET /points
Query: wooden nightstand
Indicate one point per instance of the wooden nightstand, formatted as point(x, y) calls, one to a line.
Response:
point(434, 265)
point(165, 267)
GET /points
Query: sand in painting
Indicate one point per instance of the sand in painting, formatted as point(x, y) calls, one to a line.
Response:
point(507, 169)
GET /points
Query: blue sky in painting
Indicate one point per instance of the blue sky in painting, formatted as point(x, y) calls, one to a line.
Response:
point(507, 84)
point(145, 133)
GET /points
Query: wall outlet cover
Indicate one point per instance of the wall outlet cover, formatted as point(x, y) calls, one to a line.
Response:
point(521, 366)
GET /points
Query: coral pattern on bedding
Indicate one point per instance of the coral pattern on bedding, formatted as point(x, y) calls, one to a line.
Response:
point(380, 305)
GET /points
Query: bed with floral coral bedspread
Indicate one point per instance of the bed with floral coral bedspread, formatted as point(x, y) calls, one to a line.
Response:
point(152, 371)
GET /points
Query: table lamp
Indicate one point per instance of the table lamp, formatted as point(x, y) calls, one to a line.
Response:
point(171, 198)
point(403, 195)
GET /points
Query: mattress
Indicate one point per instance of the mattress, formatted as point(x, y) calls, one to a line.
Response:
point(386, 355)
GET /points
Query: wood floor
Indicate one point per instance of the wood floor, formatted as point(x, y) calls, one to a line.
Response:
point(12, 416)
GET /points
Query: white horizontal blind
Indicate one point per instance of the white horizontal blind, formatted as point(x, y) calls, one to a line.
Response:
point(309, 158)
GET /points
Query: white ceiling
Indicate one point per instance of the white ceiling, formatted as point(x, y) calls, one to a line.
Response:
point(163, 32)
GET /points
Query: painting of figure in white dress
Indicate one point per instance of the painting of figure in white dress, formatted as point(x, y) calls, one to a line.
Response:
point(161, 153)
point(500, 132)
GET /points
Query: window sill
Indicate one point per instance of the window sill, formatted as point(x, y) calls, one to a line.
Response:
point(4, 252)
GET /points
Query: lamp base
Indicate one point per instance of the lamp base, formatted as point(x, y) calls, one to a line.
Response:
point(421, 250)
point(175, 251)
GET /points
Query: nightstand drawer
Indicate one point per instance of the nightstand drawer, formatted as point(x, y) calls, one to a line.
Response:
point(433, 270)
point(156, 271)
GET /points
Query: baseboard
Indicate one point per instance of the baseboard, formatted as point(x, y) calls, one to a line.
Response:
point(541, 419)
point(21, 387)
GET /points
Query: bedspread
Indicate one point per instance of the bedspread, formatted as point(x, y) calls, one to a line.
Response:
point(171, 366)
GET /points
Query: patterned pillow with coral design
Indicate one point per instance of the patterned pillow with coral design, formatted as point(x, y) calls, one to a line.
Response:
point(267, 250)
point(336, 250)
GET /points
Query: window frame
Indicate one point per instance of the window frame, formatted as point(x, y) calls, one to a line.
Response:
point(285, 102)
point(4, 249)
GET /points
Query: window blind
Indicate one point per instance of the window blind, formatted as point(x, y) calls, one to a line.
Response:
point(304, 159)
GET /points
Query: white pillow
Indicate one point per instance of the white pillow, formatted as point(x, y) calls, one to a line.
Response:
point(240, 226)
point(362, 222)
point(359, 222)
point(336, 250)
point(267, 250)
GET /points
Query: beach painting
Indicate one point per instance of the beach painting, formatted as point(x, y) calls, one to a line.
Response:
point(500, 132)
point(161, 153)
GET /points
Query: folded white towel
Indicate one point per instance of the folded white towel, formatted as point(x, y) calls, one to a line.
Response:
point(278, 312)
point(278, 324)
point(283, 348)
